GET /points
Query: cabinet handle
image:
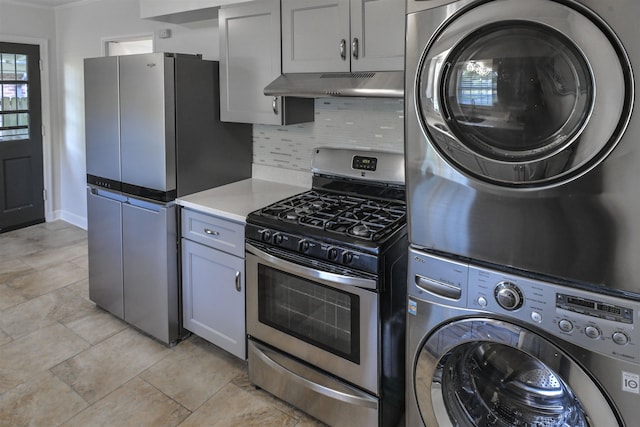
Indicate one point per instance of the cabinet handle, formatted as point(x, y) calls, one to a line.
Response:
point(354, 48)
point(274, 105)
point(211, 232)
point(238, 285)
point(343, 49)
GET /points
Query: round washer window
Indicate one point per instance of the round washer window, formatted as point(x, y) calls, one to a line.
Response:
point(515, 98)
point(516, 91)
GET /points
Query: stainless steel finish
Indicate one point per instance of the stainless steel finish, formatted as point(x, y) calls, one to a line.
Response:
point(129, 274)
point(102, 119)
point(354, 48)
point(344, 282)
point(375, 84)
point(551, 361)
point(363, 374)
point(161, 138)
point(147, 107)
point(150, 279)
point(327, 399)
point(582, 230)
point(104, 209)
point(436, 287)
point(343, 49)
point(338, 162)
point(538, 166)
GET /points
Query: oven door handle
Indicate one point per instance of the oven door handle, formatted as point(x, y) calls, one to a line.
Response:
point(312, 273)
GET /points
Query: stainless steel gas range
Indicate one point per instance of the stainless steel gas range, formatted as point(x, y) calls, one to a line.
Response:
point(326, 291)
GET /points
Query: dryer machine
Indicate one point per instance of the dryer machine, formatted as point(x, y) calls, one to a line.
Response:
point(492, 348)
point(523, 138)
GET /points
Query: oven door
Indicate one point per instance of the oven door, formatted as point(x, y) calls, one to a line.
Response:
point(326, 319)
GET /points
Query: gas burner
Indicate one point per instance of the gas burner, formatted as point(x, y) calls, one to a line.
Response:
point(304, 210)
point(312, 221)
point(361, 230)
point(290, 216)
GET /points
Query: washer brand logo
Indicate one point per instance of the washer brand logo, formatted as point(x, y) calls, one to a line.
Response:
point(630, 382)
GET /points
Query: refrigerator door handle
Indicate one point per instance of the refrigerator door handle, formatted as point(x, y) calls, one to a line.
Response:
point(142, 204)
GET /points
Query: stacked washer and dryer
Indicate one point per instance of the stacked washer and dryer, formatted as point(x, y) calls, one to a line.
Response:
point(523, 186)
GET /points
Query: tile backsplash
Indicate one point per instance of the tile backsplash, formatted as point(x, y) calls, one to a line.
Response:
point(339, 122)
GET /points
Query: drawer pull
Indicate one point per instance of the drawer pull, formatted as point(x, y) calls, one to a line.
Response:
point(238, 284)
point(211, 232)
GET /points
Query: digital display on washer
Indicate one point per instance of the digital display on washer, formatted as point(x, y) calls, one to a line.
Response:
point(594, 308)
point(364, 163)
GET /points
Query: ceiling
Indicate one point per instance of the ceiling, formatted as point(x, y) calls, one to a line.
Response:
point(47, 3)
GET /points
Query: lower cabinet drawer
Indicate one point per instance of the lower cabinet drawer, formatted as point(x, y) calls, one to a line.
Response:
point(219, 233)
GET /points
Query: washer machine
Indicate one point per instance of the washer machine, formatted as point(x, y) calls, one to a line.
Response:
point(522, 135)
point(492, 348)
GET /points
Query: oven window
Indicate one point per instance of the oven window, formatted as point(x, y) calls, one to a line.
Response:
point(317, 314)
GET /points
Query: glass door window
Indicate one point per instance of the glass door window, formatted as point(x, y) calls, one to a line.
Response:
point(317, 314)
point(14, 103)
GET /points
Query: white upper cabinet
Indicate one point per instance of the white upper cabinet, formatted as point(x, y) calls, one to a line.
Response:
point(250, 59)
point(342, 35)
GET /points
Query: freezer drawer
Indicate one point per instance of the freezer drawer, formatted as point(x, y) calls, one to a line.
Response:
point(104, 216)
point(150, 258)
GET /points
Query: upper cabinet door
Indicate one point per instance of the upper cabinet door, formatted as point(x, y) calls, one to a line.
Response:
point(377, 35)
point(315, 36)
point(249, 36)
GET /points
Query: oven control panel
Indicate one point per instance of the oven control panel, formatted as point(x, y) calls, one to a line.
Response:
point(313, 248)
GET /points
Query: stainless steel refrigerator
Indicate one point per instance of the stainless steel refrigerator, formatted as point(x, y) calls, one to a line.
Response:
point(153, 133)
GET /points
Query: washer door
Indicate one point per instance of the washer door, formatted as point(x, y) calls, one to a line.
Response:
point(484, 372)
point(518, 97)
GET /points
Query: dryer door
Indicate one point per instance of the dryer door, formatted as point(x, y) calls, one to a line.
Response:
point(517, 97)
point(484, 372)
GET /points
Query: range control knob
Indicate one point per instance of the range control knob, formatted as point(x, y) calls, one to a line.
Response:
point(347, 258)
point(509, 296)
point(303, 246)
point(332, 254)
point(265, 235)
point(277, 238)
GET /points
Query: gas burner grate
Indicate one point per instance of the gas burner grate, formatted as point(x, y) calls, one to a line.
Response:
point(360, 217)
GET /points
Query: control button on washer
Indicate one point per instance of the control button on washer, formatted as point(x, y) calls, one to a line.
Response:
point(620, 338)
point(482, 301)
point(536, 317)
point(592, 332)
point(565, 325)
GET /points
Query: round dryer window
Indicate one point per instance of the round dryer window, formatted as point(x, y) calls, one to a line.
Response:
point(485, 372)
point(519, 98)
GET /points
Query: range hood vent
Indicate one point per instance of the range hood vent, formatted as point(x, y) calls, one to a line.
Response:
point(379, 84)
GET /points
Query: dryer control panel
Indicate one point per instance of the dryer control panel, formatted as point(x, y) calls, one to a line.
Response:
point(601, 323)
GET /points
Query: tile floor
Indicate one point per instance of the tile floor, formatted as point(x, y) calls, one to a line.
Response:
point(64, 362)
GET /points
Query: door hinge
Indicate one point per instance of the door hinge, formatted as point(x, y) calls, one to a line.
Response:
point(44, 194)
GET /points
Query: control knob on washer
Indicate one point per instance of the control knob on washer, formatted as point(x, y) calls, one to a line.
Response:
point(509, 296)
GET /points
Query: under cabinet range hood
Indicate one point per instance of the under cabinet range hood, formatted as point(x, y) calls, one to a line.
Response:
point(378, 84)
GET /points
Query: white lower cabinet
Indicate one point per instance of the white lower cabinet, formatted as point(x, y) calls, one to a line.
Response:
point(213, 295)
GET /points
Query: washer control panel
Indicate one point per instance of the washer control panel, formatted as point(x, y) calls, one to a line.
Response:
point(602, 323)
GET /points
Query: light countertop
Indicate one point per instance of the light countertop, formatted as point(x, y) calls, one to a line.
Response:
point(234, 201)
